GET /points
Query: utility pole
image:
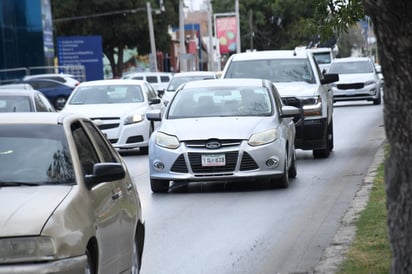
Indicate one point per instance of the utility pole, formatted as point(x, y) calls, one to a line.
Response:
point(153, 59)
point(182, 46)
point(238, 26)
point(209, 26)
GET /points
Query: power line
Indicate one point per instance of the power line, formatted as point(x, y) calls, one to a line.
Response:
point(98, 15)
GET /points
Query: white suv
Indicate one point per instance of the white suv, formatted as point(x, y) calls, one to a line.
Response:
point(299, 81)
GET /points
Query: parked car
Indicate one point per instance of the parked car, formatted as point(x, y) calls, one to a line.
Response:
point(66, 79)
point(301, 84)
point(184, 77)
point(223, 130)
point(159, 80)
point(358, 80)
point(55, 91)
point(118, 108)
point(69, 204)
point(24, 100)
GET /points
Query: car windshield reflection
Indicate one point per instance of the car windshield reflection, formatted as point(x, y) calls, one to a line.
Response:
point(223, 102)
point(34, 156)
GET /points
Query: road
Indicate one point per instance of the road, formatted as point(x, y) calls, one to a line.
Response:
point(251, 228)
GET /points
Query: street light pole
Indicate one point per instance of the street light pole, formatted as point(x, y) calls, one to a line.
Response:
point(211, 42)
point(182, 46)
point(238, 26)
point(153, 59)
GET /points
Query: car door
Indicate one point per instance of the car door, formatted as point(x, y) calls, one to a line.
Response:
point(126, 197)
point(104, 207)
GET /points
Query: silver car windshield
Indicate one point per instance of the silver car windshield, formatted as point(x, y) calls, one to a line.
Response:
point(34, 155)
point(275, 70)
point(115, 94)
point(351, 67)
point(220, 102)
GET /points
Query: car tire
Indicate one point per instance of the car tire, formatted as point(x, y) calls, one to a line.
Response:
point(145, 150)
point(283, 181)
point(324, 153)
point(378, 100)
point(159, 186)
point(90, 265)
point(293, 169)
point(135, 268)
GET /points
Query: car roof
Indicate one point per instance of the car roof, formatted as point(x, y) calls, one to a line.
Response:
point(52, 118)
point(227, 82)
point(269, 54)
point(195, 73)
point(111, 82)
point(15, 91)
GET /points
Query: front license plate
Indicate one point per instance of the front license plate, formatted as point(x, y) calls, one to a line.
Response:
point(213, 160)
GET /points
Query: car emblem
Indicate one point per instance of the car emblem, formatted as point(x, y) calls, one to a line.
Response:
point(213, 145)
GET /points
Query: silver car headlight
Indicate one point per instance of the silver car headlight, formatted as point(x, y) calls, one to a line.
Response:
point(135, 118)
point(166, 140)
point(263, 137)
point(25, 249)
point(371, 82)
point(312, 106)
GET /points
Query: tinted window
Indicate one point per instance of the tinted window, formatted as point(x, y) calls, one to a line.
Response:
point(35, 154)
point(106, 152)
point(42, 104)
point(151, 79)
point(87, 154)
point(164, 79)
point(352, 67)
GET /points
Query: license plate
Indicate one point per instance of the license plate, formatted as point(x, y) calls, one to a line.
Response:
point(213, 160)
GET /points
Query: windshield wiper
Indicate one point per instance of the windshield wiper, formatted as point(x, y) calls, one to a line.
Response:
point(13, 183)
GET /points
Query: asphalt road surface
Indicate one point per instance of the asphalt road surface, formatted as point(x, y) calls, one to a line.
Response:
point(250, 228)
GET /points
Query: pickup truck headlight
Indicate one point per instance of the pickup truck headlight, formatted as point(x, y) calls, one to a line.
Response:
point(166, 140)
point(26, 249)
point(132, 119)
point(312, 106)
point(263, 137)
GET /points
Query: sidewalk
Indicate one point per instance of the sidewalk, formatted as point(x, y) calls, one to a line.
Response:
point(335, 254)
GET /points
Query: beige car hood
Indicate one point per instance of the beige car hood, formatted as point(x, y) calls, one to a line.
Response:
point(25, 210)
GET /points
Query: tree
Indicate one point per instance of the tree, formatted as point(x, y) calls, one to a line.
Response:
point(392, 22)
point(121, 23)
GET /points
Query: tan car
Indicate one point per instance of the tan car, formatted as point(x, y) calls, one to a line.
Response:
point(68, 203)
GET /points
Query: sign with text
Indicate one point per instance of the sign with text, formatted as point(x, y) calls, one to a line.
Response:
point(226, 32)
point(82, 50)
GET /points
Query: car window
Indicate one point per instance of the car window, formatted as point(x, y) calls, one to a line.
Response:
point(151, 79)
point(275, 70)
point(35, 153)
point(87, 155)
point(212, 102)
point(42, 104)
point(114, 94)
point(151, 93)
point(352, 67)
point(15, 104)
point(164, 79)
point(106, 152)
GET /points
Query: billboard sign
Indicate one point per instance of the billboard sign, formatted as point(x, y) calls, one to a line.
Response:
point(226, 32)
point(82, 50)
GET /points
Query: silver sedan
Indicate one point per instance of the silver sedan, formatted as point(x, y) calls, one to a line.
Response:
point(223, 130)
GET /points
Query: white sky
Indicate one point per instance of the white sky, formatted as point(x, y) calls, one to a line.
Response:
point(193, 4)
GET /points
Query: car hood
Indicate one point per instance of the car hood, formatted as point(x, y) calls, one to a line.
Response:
point(287, 89)
point(356, 78)
point(25, 210)
point(106, 110)
point(216, 127)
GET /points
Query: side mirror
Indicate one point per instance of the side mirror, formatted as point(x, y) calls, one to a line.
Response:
point(154, 115)
point(105, 172)
point(290, 112)
point(155, 101)
point(329, 78)
point(160, 92)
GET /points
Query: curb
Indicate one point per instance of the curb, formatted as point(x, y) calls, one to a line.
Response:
point(335, 254)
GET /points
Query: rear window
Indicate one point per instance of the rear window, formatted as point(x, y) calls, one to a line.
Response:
point(275, 70)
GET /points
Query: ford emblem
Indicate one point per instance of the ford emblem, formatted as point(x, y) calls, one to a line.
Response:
point(213, 145)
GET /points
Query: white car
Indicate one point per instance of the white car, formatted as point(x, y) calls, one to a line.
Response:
point(223, 130)
point(159, 80)
point(118, 108)
point(358, 80)
point(300, 82)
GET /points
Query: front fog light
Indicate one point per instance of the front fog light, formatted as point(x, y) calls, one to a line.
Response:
point(272, 162)
point(158, 165)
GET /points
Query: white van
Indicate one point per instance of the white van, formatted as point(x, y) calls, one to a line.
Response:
point(158, 80)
